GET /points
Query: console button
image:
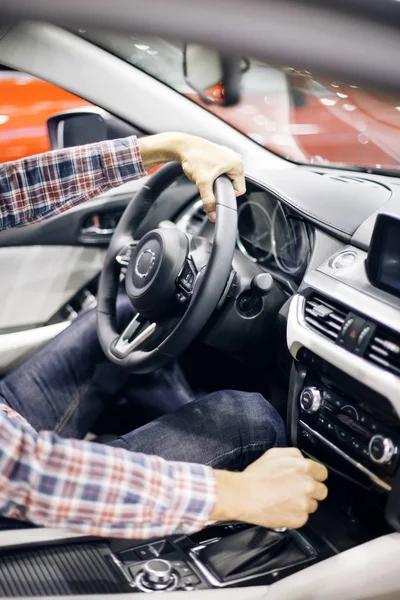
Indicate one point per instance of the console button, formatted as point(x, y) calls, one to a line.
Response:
point(129, 556)
point(157, 574)
point(184, 571)
point(350, 411)
point(302, 355)
point(360, 448)
point(306, 436)
point(364, 338)
point(178, 564)
point(368, 422)
point(351, 329)
point(344, 435)
point(311, 399)
point(381, 449)
point(333, 399)
point(145, 553)
point(190, 580)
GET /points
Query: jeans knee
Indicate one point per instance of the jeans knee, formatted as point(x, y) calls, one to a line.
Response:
point(251, 412)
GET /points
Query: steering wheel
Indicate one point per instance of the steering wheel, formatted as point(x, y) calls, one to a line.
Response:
point(174, 281)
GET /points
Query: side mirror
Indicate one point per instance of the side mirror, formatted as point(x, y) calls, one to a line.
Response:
point(216, 78)
point(85, 126)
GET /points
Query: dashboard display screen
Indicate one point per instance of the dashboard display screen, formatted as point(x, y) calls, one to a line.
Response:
point(383, 264)
point(389, 267)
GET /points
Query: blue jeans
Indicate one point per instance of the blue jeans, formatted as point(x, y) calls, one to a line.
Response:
point(67, 384)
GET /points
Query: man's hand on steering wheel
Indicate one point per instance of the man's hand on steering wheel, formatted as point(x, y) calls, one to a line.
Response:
point(202, 162)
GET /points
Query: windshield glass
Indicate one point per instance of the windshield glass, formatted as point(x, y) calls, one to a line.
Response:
point(297, 115)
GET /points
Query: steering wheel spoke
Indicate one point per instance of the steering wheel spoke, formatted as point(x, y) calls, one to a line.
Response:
point(138, 331)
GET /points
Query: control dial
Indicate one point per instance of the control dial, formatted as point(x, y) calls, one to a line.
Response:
point(157, 573)
point(311, 399)
point(381, 449)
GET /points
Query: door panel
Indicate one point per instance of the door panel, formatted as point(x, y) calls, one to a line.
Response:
point(66, 229)
point(37, 282)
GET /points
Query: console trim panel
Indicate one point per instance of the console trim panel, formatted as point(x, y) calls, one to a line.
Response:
point(377, 480)
point(212, 580)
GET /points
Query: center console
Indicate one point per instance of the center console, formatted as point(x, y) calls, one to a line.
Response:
point(222, 555)
point(343, 332)
point(344, 424)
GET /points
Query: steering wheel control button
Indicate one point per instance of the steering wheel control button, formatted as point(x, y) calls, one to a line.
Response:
point(187, 277)
point(311, 399)
point(182, 299)
point(381, 449)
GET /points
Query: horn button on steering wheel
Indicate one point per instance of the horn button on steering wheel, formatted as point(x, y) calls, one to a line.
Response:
point(153, 270)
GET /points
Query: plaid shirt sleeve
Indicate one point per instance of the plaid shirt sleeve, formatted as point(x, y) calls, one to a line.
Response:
point(47, 184)
point(95, 489)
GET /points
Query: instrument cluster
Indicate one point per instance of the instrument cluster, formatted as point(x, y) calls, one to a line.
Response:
point(272, 235)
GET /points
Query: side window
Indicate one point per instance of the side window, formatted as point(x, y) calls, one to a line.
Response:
point(25, 105)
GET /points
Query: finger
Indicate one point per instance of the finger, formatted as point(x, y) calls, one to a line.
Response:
point(284, 453)
point(316, 470)
point(320, 492)
point(238, 181)
point(297, 520)
point(312, 506)
point(207, 196)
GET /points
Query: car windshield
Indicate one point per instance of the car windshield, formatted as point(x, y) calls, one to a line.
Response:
point(295, 114)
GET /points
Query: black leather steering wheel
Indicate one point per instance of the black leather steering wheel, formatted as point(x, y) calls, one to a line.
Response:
point(173, 288)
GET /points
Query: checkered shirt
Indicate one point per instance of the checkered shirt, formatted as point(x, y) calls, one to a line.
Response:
point(45, 185)
point(91, 488)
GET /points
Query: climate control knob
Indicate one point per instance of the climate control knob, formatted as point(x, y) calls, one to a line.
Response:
point(157, 573)
point(381, 449)
point(311, 399)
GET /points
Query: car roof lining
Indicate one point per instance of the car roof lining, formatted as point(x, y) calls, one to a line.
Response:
point(255, 28)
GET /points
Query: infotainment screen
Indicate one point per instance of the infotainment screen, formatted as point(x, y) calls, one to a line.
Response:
point(383, 263)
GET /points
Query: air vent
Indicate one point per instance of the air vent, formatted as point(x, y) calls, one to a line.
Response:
point(193, 219)
point(384, 350)
point(324, 316)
